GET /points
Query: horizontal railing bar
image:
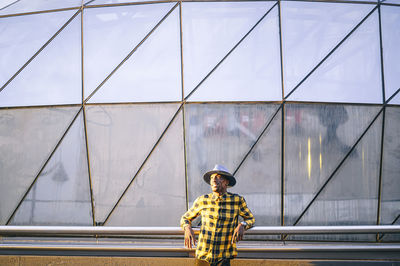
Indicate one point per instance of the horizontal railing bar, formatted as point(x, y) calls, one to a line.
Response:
point(258, 230)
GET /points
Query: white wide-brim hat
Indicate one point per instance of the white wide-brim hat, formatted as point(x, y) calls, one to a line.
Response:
point(219, 169)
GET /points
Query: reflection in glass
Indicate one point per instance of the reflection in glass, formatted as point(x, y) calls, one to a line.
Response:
point(317, 137)
point(22, 36)
point(251, 72)
point(157, 195)
point(210, 30)
point(351, 73)
point(119, 138)
point(53, 77)
point(220, 134)
point(124, 27)
point(27, 137)
point(22, 6)
point(259, 177)
point(61, 194)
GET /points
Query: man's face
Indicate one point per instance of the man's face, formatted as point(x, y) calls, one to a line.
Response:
point(218, 183)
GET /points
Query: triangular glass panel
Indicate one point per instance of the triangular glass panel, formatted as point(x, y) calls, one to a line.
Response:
point(396, 99)
point(157, 196)
point(259, 177)
point(211, 30)
point(53, 77)
point(317, 138)
point(251, 72)
point(23, 6)
point(390, 203)
point(61, 194)
point(120, 137)
point(112, 2)
point(28, 136)
point(220, 134)
point(351, 74)
point(124, 28)
point(310, 30)
point(22, 36)
point(391, 43)
point(351, 197)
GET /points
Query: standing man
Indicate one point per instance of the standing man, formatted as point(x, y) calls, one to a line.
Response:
point(220, 227)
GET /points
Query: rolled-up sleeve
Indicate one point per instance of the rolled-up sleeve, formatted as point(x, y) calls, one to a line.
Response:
point(191, 214)
point(247, 215)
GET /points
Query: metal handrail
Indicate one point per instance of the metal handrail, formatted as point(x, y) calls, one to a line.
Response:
point(258, 230)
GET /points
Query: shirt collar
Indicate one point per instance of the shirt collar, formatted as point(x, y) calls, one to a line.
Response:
point(215, 197)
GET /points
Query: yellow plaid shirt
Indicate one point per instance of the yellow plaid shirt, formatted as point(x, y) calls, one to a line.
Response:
point(219, 218)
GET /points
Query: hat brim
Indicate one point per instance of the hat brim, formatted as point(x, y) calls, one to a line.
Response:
point(230, 177)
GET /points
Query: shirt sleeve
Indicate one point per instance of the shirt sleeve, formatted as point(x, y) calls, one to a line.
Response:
point(247, 215)
point(191, 214)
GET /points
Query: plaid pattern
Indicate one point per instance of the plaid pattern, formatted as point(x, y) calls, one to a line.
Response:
point(219, 218)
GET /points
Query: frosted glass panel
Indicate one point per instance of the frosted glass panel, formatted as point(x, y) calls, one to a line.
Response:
point(22, 6)
point(310, 31)
point(124, 27)
point(391, 44)
point(21, 37)
point(259, 177)
point(120, 137)
point(390, 202)
point(53, 77)
point(61, 194)
point(351, 197)
point(157, 195)
point(220, 134)
point(152, 73)
point(251, 72)
point(210, 31)
point(27, 137)
point(110, 2)
point(317, 137)
point(351, 73)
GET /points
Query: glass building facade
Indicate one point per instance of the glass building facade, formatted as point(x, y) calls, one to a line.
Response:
point(111, 110)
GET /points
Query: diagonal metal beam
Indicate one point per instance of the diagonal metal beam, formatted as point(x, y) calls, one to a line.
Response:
point(44, 166)
point(143, 164)
point(131, 52)
point(331, 52)
point(234, 47)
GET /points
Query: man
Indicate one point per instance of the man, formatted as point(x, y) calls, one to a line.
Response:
point(220, 228)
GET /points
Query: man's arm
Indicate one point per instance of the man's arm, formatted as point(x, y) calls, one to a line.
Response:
point(186, 224)
point(248, 221)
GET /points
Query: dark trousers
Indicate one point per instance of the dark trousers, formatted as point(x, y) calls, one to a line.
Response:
point(223, 262)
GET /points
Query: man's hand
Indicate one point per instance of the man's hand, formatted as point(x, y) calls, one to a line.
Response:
point(238, 233)
point(190, 239)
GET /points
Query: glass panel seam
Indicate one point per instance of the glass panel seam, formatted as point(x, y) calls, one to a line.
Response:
point(380, 172)
point(40, 12)
point(44, 165)
point(40, 50)
point(234, 47)
point(331, 52)
point(131, 53)
point(280, 47)
point(128, 4)
point(337, 168)
point(142, 165)
point(381, 54)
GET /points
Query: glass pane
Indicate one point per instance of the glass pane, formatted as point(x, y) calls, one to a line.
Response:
point(251, 72)
point(390, 202)
point(210, 31)
point(120, 137)
point(27, 137)
point(157, 195)
point(310, 31)
point(53, 77)
point(391, 1)
point(220, 134)
point(391, 44)
point(22, 6)
point(351, 73)
point(22, 36)
point(124, 27)
point(317, 137)
point(110, 2)
point(396, 99)
point(61, 194)
point(152, 73)
point(259, 177)
point(351, 197)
